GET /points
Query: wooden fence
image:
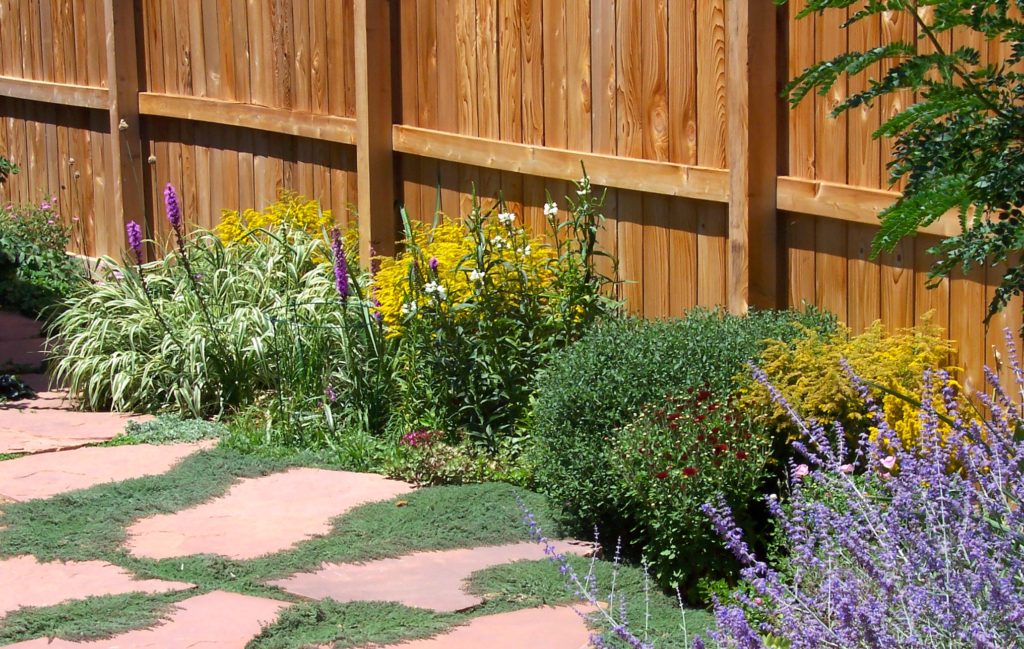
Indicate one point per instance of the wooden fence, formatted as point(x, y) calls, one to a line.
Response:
point(719, 193)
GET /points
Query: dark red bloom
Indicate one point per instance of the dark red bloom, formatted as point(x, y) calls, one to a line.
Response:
point(673, 426)
point(689, 471)
point(741, 455)
point(700, 437)
point(661, 475)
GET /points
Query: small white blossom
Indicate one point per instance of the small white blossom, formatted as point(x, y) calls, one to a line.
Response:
point(551, 209)
point(506, 218)
point(409, 308)
point(436, 289)
point(582, 191)
point(527, 250)
point(498, 241)
point(476, 275)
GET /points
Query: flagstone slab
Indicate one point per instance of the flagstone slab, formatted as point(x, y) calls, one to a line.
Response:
point(217, 619)
point(260, 516)
point(22, 355)
point(47, 474)
point(50, 423)
point(532, 628)
point(430, 580)
point(24, 581)
point(14, 326)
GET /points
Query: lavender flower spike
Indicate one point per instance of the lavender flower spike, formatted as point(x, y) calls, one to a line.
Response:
point(173, 208)
point(135, 239)
point(340, 265)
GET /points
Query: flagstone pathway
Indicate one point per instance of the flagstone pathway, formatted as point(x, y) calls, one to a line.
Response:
point(256, 517)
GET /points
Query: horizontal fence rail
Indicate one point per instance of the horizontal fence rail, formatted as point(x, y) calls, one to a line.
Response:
point(718, 192)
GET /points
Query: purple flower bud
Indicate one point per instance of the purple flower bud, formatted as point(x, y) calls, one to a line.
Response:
point(433, 264)
point(340, 265)
point(134, 239)
point(330, 394)
point(173, 208)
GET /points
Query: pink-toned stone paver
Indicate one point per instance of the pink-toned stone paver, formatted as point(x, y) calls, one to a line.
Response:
point(48, 474)
point(532, 628)
point(50, 423)
point(27, 582)
point(260, 516)
point(216, 620)
point(14, 326)
point(431, 580)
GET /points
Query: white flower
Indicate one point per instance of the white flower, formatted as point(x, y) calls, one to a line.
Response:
point(409, 308)
point(498, 241)
point(476, 275)
point(506, 218)
point(551, 209)
point(527, 250)
point(437, 289)
point(582, 191)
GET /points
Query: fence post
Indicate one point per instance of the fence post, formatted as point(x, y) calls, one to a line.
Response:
point(374, 153)
point(125, 139)
point(752, 270)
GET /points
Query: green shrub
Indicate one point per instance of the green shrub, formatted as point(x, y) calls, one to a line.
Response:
point(677, 455)
point(588, 391)
point(160, 340)
point(35, 271)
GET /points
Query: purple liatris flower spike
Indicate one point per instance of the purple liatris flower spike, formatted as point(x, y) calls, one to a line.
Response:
point(173, 208)
point(433, 264)
point(134, 239)
point(340, 265)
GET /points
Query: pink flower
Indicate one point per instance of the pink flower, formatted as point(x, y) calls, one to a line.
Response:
point(801, 471)
point(846, 468)
point(889, 462)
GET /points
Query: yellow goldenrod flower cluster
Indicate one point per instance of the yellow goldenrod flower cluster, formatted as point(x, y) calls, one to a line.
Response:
point(810, 375)
point(446, 265)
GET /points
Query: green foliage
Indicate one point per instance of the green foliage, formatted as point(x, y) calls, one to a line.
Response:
point(679, 454)
point(35, 272)
point(330, 624)
point(426, 458)
point(155, 338)
point(7, 168)
point(960, 146)
point(91, 618)
point(12, 388)
point(170, 429)
point(588, 391)
point(477, 326)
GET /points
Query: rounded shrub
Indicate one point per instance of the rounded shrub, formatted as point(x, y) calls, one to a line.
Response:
point(588, 391)
point(677, 455)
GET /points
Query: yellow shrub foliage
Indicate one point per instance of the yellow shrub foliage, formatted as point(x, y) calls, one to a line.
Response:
point(526, 265)
point(809, 374)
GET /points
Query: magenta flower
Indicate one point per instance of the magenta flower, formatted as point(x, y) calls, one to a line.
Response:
point(173, 208)
point(340, 265)
point(134, 239)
